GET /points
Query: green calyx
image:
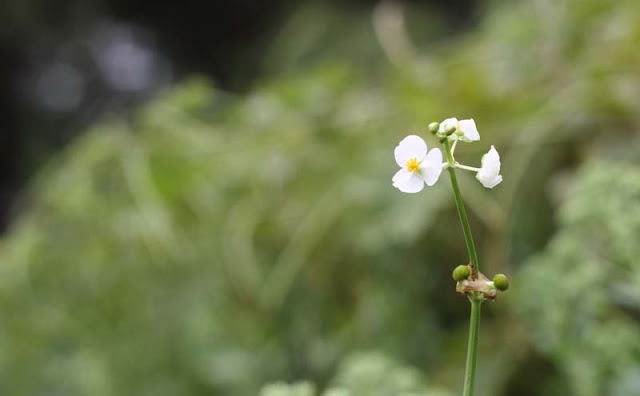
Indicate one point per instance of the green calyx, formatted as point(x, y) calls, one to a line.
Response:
point(461, 273)
point(501, 282)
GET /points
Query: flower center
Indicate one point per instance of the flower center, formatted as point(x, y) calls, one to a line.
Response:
point(413, 165)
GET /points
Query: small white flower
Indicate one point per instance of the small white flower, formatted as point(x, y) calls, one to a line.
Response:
point(468, 128)
point(419, 166)
point(489, 174)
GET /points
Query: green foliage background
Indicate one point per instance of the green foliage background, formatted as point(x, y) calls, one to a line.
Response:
point(215, 243)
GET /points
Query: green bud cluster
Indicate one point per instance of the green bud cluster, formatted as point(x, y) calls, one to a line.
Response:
point(448, 132)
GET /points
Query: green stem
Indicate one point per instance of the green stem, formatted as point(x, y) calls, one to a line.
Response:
point(466, 229)
point(472, 346)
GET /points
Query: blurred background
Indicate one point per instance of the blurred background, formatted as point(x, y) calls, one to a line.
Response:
point(196, 199)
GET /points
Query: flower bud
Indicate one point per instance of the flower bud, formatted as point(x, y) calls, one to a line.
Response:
point(501, 282)
point(450, 129)
point(459, 132)
point(461, 273)
point(433, 127)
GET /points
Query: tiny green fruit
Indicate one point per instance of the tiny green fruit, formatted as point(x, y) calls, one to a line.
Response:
point(501, 282)
point(461, 273)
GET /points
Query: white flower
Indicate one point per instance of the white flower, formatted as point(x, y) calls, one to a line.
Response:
point(489, 173)
point(419, 167)
point(468, 128)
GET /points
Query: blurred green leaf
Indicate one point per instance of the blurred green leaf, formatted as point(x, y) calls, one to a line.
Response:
point(217, 242)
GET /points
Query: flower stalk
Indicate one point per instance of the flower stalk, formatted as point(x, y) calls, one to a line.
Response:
point(472, 348)
point(474, 298)
point(462, 213)
point(420, 167)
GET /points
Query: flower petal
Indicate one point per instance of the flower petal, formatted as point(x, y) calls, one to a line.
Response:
point(400, 175)
point(491, 159)
point(489, 173)
point(470, 131)
point(410, 147)
point(431, 167)
point(489, 182)
point(448, 122)
point(408, 182)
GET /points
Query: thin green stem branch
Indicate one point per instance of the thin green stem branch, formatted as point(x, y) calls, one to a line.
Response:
point(469, 168)
point(453, 146)
point(466, 229)
point(472, 346)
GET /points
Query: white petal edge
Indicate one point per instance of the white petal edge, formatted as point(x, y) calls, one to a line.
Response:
point(400, 175)
point(431, 167)
point(449, 121)
point(410, 147)
point(491, 159)
point(489, 182)
point(408, 182)
point(470, 130)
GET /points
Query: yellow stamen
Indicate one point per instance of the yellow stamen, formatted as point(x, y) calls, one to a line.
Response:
point(413, 165)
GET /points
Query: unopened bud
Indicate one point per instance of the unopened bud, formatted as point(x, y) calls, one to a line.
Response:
point(450, 129)
point(433, 127)
point(501, 282)
point(461, 273)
